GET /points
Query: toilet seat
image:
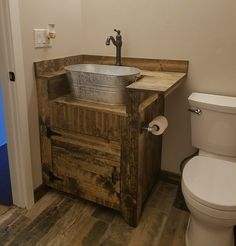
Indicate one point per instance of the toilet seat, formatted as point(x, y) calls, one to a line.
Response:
point(211, 182)
point(209, 211)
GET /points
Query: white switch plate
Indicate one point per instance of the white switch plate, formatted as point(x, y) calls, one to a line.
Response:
point(41, 39)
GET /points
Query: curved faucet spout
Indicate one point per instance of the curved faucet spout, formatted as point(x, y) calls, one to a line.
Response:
point(117, 42)
point(109, 39)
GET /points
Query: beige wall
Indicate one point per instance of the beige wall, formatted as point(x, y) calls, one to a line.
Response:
point(203, 32)
point(38, 14)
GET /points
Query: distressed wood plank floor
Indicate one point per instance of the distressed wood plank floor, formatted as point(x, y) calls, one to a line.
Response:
point(59, 220)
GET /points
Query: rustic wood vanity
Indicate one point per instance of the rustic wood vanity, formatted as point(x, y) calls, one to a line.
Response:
point(99, 152)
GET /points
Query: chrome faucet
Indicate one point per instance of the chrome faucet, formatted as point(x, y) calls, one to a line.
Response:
point(118, 43)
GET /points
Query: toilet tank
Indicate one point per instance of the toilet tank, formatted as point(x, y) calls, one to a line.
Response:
point(214, 128)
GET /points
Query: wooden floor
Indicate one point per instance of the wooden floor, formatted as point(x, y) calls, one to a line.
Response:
point(57, 219)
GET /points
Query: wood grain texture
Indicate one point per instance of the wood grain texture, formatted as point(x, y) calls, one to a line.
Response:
point(75, 117)
point(97, 151)
point(147, 102)
point(162, 82)
point(113, 109)
point(142, 63)
point(45, 68)
point(48, 89)
point(140, 154)
point(85, 167)
point(59, 220)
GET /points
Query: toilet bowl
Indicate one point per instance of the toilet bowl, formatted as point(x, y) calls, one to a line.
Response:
point(209, 189)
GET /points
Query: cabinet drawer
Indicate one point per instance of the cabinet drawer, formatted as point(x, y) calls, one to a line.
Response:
point(87, 167)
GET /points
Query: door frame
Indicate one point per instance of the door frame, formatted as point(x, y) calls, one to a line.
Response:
point(15, 104)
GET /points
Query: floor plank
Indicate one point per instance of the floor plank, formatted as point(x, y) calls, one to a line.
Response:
point(70, 225)
point(42, 224)
point(3, 209)
point(173, 234)
point(60, 220)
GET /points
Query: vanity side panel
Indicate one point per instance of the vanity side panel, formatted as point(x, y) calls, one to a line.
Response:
point(151, 147)
point(44, 122)
point(47, 90)
point(130, 175)
point(140, 153)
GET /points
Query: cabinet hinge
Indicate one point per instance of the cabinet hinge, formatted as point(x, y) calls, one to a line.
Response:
point(49, 132)
point(53, 177)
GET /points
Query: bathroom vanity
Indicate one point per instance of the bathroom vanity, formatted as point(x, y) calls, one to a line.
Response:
point(98, 151)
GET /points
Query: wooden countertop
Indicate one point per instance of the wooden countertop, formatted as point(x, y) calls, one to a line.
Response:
point(158, 75)
point(161, 82)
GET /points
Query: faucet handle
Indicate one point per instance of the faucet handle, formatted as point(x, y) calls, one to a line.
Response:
point(118, 31)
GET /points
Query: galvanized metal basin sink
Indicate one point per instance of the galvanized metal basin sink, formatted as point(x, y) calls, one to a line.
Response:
point(100, 83)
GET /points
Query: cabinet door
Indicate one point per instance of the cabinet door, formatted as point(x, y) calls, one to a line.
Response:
point(88, 167)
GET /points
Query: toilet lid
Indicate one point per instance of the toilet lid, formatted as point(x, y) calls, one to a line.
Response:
point(211, 182)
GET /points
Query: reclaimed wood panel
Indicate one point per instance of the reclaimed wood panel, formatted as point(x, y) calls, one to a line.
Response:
point(101, 107)
point(44, 121)
point(162, 82)
point(88, 121)
point(97, 154)
point(87, 191)
point(140, 154)
point(151, 146)
point(50, 66)
point(48, 89)
point(85, 169)
point(142, 63)
point(100, 144)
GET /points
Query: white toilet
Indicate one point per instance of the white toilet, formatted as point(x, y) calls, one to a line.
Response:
point(209, 179)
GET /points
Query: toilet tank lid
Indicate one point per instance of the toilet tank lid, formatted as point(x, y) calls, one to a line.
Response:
point(213, 102)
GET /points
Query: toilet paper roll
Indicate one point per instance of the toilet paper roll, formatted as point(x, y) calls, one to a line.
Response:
point(159, 125)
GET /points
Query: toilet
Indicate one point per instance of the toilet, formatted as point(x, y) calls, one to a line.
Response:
point(209, 179)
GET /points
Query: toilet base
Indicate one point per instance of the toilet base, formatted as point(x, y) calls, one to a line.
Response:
point(199, 234)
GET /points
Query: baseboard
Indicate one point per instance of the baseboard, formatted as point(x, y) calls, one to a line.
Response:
point(170, 177)
point(40, 191)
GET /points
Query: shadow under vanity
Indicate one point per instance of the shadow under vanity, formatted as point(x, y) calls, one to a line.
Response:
point(97, 151)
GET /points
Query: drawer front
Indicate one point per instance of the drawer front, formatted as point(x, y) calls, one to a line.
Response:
point(86, 121)
point(83, 167)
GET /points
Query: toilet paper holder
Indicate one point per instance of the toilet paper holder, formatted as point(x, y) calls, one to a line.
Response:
point(150, 129)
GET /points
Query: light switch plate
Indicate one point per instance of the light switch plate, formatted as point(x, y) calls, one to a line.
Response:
point(41, 39)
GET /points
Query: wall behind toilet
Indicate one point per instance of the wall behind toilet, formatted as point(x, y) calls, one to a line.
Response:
point(202, 32)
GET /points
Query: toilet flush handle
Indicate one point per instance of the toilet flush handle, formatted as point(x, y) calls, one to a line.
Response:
point(197, 111)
